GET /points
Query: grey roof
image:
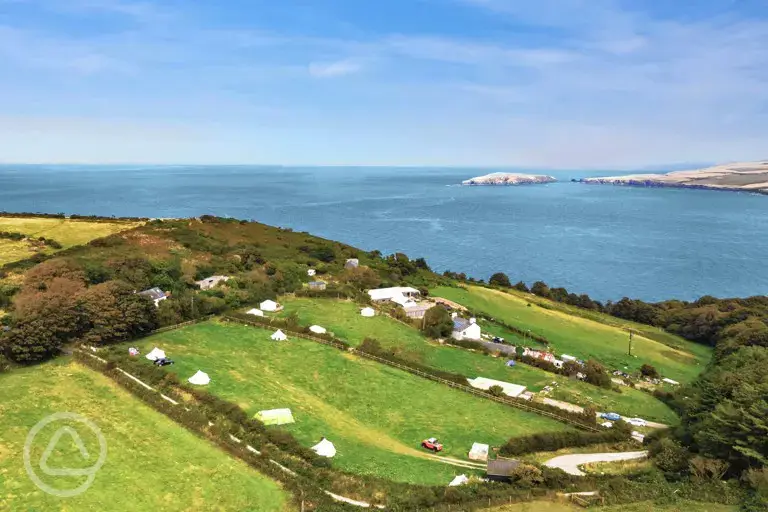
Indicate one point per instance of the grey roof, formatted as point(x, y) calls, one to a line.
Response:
point(501, 467)
point(317, 283)
point(459, 324)
point(153, 293)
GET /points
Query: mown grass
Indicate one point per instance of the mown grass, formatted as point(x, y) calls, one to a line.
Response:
point(68, 232)
point(376, 415)
point(152, 463)
point(584, 337)
point(344, 320)
point(644, 506)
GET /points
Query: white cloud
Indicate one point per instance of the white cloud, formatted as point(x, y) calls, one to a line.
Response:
point(334, 69)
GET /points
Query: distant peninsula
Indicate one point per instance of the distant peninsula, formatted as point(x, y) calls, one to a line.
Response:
point(739, 177)
point(508, 178)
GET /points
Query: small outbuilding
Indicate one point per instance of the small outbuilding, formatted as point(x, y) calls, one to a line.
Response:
point(318, 330)
point(156, 295)
point(466, 329)
point(275, 416)
point(279, 336)
point(566, 357)
point(670, 381)
point(270, 305)
point(479, 451)
point(211, 282)
point(324, 448)
point(200, 379)
point(155, 354)
point(368, 312)
point(352, 263)
point(417, 310)
point(317, 285)
point(255, 312)
point(501, 470)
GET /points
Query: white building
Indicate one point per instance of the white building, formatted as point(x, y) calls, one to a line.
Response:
point(269, 305)
point(486, 384)
point(398, 294)
point(210, 282)
point(255, 312)
point(464, 329)
point(156, 295)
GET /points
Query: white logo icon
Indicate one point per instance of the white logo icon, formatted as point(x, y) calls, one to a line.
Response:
point(67, 430)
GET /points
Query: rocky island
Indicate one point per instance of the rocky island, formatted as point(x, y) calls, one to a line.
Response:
point(508, 178)
point(740, 177)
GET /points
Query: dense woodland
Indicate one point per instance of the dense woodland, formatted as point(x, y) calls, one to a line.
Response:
point(87, 295)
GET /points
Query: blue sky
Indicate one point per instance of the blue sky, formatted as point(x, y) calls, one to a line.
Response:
point(540, 84)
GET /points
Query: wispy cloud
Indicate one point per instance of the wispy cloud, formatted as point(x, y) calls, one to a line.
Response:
point(334, 69)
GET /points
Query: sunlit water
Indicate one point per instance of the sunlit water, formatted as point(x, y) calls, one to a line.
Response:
point(607, 241)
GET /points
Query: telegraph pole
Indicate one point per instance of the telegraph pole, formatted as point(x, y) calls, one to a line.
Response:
point(630, 342)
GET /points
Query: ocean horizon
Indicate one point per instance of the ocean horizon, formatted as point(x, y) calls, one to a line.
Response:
point(606, 241)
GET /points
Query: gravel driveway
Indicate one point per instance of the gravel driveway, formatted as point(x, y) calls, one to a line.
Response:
point(570, 463)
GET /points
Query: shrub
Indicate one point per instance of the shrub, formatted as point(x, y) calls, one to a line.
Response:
point(669, 456)
point(496, 391)
point(527, 475)
point(558, 440)
point(500, 279)
point(649, 371)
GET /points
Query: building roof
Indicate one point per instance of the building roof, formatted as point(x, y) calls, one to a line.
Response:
point(153, 293)
point(502, 467)
point(316, 283)
point(419, 307)
point(392, 293)
point(461, 324)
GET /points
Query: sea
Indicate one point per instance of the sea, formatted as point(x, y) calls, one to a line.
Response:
point(607, 241)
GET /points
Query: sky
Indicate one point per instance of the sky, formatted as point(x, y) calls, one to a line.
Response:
point(576, 84)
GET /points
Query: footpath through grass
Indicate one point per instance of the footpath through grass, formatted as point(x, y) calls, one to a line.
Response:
point(152, 463)
point(344, 320)
point(68, 232)
point(376, 415)
point(643, 506)
point(584, 337)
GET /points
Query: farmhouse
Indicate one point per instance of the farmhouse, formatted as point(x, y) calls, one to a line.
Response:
point(317, 285)
point(501, 470)
point(397, 294)
point(211, 282)
point(156, 295)
point(464, 329)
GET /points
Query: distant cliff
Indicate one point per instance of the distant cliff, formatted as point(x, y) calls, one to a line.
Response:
point(739, 177)
point(508, 178)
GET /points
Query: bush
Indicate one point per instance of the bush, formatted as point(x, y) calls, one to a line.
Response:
point(669, 456)
point(558, 440)
point(496, 391)
point(649, 371)
point(500, 279)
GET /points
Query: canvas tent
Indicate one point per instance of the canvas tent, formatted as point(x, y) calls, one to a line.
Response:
point(324, 448)
point(279, 336)
point(479, 451)
point(275, 416)
point(367, 312)
point(486, 384)
point(269, 305)
point(317, 329)
point(200, 378)
point(155, 354)
point(255, 312)
point(459, 480)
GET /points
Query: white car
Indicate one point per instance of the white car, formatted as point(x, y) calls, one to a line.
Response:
point(636, 422)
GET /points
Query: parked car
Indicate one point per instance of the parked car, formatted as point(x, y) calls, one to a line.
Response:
point(497, 339)
point(432, 444)
point(636, 422)
point(163, 361)
point(610, 416)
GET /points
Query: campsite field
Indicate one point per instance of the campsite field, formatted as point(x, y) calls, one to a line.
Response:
point(376, 415)
point(584, 337)
point(343, 319)
point(68, 232)
point(151, 464)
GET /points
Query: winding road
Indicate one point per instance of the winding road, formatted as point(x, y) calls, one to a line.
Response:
point(570, 463)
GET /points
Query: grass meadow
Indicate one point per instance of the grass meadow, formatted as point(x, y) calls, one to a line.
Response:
point(376, 415)
point(343, 319)
point(151, 464)
point(586, 338)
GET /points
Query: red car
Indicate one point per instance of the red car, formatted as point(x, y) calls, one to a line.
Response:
point(432, 444)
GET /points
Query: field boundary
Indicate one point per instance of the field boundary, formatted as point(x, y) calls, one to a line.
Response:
point(420, 373)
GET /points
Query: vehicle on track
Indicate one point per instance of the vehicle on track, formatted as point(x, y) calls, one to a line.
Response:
point(432, 444)
point(163, 361)
point(610, 416)
point(636, 422)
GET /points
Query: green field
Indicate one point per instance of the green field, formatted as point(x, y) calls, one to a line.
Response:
point(151, 464)
point(643, 506)
point(68, 232)
point(376, 415)
point(584, 337)
point(343, 319)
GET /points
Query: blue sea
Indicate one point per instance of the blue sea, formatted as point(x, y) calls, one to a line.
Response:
point(607, 241)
